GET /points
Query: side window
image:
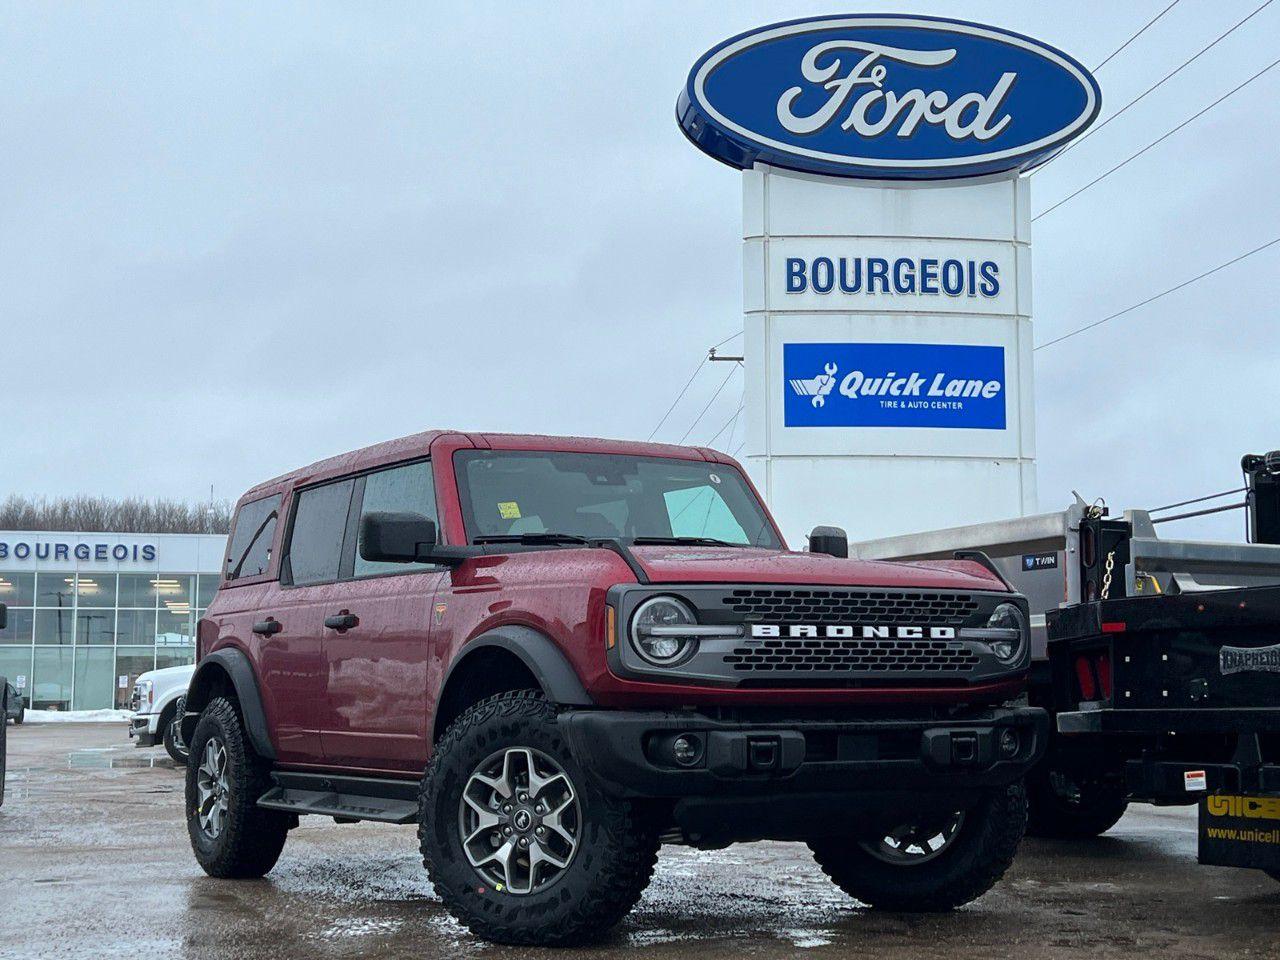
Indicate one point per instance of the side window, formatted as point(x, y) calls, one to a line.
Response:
point(254, 530)
point(407, 489)
point(314, 553)
point(702, 512)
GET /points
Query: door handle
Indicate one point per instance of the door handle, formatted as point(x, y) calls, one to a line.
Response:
point(342, 621)
point(268, 626)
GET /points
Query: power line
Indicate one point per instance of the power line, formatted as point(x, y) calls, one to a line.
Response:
point(679, 397)
point(1158, 140)
point(1157, 84)
point(688, 384)
point(726, 426)
point(733, 336)
point(718, 389)
point(1150, 23)
point(1165, 293)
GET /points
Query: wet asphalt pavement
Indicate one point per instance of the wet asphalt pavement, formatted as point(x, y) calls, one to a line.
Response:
point(94, 862)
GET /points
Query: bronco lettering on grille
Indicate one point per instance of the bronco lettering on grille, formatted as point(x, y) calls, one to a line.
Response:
point(848, 632)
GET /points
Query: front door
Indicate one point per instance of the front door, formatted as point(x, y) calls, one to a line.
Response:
point(376, 658)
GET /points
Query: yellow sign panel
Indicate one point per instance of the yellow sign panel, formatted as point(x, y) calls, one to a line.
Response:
point(1253, 808)
point(509, 510)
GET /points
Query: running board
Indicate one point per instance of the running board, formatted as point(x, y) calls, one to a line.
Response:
point(344, 798)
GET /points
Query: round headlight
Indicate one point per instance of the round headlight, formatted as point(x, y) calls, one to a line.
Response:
point(655, 630)
point(1007, 617)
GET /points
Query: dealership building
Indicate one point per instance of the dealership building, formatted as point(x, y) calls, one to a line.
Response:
point(89, 612)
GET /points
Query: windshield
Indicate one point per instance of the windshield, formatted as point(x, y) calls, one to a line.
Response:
point(508, 493)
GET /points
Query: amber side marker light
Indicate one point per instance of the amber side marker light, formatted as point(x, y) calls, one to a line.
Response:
point(610, 627)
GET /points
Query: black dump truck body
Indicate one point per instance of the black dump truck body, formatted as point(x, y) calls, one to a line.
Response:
point(1185, 691)
point(1158, 658)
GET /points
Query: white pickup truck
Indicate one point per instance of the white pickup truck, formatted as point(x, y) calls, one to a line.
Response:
point(155, 707)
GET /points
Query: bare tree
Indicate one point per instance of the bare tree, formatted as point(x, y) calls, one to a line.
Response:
point(87, 514)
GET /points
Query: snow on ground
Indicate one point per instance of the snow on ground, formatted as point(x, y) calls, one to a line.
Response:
point(76, 716)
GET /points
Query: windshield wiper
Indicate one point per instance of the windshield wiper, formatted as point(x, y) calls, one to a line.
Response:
point(533, 538)
point(702, 541)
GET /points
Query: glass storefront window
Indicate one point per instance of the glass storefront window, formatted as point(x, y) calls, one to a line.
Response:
point(93, 679)
point(51, 680)
point(72, 634)
point(175, 656)
point(19, 628)
point(15, 665)
point(174, 588)
point(135, 627)
point(95, 627)
point(207, 588)
point(18, 589)
point(174, 629)
point(132, 662)
point(137, 590)
point(55, 627)
point(56, 590)
point(96, 590)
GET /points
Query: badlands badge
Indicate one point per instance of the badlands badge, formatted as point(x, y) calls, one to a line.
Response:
point(1249, 660)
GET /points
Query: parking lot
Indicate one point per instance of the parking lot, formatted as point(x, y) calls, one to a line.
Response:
point(94, 862)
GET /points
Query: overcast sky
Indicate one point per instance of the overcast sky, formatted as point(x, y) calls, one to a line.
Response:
point(236, 240)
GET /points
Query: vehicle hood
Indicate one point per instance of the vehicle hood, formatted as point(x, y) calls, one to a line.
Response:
point(698, 564)
point(170, 675)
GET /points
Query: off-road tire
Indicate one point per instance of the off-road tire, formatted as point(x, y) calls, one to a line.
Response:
point(1049, 814)
point(178, 755)
point(251, 838)
point(976, 858)
point(604, 880)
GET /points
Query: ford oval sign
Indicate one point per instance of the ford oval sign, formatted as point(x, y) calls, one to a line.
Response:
point(886, 97)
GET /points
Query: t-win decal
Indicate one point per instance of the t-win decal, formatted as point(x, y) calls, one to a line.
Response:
point(905, 276)
point(893, 385)
point(1039, 561)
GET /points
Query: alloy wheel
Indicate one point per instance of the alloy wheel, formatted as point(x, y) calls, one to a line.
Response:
point(212, 789)
point(519, 820)
point(915, 843)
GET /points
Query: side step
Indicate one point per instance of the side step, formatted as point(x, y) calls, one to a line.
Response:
point(344, 798)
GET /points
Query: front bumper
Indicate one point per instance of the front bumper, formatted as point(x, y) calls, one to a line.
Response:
point(630, 754)
point(144, 729)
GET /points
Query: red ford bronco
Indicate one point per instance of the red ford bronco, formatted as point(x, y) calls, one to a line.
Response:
point(554, 655)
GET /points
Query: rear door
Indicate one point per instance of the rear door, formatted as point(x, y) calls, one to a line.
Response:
point(377, 695)
point(285, 656)
point(310, 566)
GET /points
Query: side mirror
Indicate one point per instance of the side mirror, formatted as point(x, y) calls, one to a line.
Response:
point(832, 541)
point(4, 616)
point(406, 538)
point(396, 537)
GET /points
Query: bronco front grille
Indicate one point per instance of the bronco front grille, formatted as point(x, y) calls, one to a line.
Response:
point(767, 605)
point(778, 655)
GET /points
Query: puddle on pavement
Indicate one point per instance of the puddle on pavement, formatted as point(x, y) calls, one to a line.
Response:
point(115, 758)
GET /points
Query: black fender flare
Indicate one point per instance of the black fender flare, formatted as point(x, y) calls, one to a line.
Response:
point(546, 661)
point(236, 665)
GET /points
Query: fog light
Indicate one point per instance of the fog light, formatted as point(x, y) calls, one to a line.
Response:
point(1008, 742)
point(685, 749)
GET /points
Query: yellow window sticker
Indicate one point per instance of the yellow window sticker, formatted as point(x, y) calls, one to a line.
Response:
point(509, 510)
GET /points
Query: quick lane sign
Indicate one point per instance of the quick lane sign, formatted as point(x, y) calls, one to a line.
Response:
point(886, 97)
point(893, 385)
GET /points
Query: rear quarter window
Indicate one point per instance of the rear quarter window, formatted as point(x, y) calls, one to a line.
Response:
point(252, 533)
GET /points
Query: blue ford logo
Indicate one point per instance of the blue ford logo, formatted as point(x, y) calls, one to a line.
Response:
point(886, 97)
